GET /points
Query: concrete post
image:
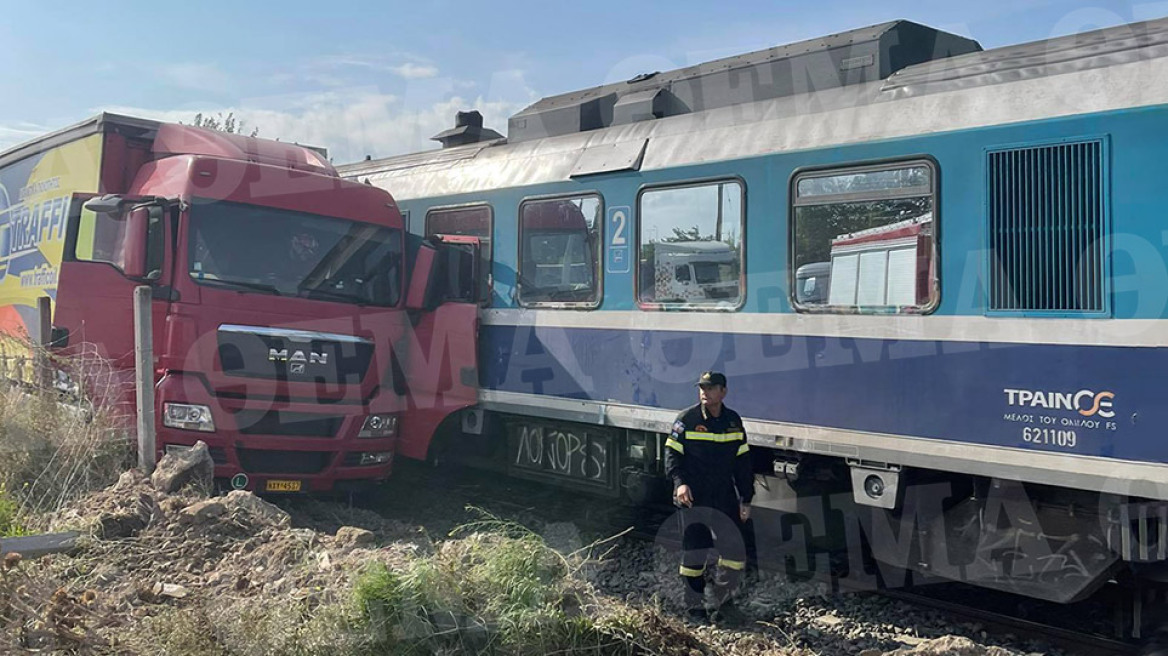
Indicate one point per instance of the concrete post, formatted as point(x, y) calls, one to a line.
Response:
point(144, 377)
point(44, 336)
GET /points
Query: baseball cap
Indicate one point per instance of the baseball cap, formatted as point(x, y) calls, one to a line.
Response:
point(712, 378)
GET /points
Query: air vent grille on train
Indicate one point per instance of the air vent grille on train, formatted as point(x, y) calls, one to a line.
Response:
point(1048, 228)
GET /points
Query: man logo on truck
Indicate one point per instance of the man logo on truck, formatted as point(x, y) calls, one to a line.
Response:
point(281, 355)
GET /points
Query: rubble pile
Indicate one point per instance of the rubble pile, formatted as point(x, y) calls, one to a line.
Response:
point(165, 566)
point(161, 543)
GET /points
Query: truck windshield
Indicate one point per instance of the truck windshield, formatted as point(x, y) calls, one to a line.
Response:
point(271, 251)
point(712, 273)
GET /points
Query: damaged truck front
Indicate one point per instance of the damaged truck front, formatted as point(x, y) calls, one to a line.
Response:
point(296, 332)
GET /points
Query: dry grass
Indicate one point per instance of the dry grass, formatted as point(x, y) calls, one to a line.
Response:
point(500, 589)
point(241, 627)
point(494, 588)
point(61, 440)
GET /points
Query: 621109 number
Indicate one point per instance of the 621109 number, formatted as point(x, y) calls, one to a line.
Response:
point(1050, 437)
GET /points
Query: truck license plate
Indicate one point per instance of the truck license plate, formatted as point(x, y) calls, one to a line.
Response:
point(275, 485)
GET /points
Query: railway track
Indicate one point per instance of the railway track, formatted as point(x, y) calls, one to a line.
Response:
point(997, 613)
point(1068, 640)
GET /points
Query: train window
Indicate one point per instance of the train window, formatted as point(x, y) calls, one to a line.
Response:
point(559, 252)
point(690, 246)
point(864, 239)
point(1048, 229)
point(472, 221)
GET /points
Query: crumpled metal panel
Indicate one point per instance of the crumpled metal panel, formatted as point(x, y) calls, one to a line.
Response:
point(609, 158)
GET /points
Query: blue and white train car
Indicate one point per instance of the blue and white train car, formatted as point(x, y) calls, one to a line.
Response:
point(935, 277)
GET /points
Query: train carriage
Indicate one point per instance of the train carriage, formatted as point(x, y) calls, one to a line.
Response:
point(939, 291)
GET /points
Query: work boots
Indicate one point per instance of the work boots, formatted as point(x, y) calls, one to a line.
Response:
point(697, 616)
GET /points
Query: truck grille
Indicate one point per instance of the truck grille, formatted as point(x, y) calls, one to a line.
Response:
point(291, 424)
point(263, 461)
point(293, 355)
point(218, 455)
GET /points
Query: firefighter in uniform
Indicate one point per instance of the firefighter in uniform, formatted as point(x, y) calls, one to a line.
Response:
point(708, 459)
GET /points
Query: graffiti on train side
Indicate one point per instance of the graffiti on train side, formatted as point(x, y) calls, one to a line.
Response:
point(559, 451)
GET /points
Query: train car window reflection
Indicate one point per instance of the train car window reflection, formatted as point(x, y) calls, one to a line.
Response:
point(471, 221)
point(865, 240)
point(690, 244)
point(559, 252)
point(910, 179)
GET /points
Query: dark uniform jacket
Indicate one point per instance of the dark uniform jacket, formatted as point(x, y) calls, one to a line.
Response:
point(710, 455)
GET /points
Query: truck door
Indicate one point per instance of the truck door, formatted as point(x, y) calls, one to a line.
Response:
point(106, 256)
point(476, 221)
point(440, 363)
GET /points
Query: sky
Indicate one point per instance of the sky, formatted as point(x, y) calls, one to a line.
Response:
point(379, 78)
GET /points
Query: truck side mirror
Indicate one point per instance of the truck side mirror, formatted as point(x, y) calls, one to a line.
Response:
point(145, 242)
point(137, 225)
point(107, 204)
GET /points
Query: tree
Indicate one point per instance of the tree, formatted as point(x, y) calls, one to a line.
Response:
point(228, 124)
point(691, 234)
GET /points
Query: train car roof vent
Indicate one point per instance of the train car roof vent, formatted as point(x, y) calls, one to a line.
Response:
point(861, 56)
point(468, 128)
point(646, 104)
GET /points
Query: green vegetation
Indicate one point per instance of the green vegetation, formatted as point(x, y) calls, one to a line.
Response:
point(10, 523)
point(498, 590)
point(495, 588)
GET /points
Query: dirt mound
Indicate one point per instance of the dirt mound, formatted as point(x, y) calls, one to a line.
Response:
point(186, 573)
point(147, 551)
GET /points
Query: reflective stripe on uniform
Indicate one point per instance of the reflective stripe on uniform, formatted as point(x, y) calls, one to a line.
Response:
point(731, 564)
point(693, 571)
point(743, 449)
point(675, 445)
point(714, 437)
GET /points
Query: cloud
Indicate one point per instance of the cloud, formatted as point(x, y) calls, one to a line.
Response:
point(345, 70)
point(414, 71)
point(406, 66)
point(351, 123)
point(349, 61)
point(18, 133)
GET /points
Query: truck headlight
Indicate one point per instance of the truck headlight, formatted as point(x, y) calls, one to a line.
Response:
point(188, 417)
point(376, 458)
point(383, 425)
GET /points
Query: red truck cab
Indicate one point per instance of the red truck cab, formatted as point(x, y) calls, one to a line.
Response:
point(283, 335)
